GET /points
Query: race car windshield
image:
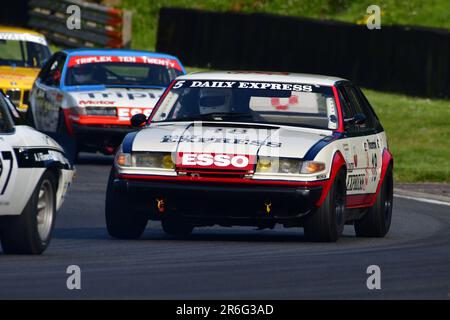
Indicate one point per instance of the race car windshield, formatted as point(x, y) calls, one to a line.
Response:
point(16, 53)
point(292, 104)
point(119, 73)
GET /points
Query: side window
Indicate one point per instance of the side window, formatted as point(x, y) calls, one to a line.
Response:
point(368, 110)
point(347, 110)
point(51, 76)
point(355, 101)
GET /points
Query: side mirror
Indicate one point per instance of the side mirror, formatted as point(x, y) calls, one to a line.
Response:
point(138, 120)
point(358, 119)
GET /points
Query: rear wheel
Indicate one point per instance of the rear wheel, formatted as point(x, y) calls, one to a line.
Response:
point(30, 232)
point(327, 223)
point(377, 221)
point(122, 222)
point(176, 227)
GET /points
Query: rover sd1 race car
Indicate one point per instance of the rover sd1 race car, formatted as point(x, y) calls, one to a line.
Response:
point(34, 177)
point(254, 149)
point(22, 54)
point(90, 95)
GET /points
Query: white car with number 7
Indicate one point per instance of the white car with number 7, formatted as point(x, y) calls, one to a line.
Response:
point(34, 177)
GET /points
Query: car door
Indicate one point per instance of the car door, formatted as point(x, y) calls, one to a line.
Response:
point(47, 95)
point(8, 169)
point(362, 146)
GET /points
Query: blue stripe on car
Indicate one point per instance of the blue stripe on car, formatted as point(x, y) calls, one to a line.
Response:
point(127, 145)
point(315, 149)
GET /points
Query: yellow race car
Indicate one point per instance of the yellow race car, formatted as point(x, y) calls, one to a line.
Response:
point(22, 54)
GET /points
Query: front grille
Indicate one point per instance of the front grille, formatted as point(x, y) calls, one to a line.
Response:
point(208, 173)
point(101, 111)
point(14, 96)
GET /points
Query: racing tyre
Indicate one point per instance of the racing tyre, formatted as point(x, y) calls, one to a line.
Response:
point(122, 222)
point(67, 141)
point(29, 118)
point(327, 223)
point(30, 232)
point(377, 221)
point(176, 227)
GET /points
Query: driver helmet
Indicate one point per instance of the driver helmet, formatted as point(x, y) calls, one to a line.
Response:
point(213, 100)
point(82, 73)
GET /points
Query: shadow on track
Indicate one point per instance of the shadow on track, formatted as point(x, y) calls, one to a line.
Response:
point(199, 235)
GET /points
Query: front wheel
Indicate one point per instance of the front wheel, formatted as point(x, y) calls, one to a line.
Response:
point(377, 221)
point(121, 222)
point(30, 232)
point(29, 118)
point(327, 223)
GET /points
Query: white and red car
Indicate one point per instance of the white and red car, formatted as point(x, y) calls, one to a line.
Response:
point(254, 149)
point(91, 95)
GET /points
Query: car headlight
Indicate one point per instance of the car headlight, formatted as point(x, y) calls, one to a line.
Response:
point(278, 165)
point(288, 166)
point(160, 160)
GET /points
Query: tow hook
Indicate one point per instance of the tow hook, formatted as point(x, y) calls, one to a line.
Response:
point(268, 205)
point(160, 204)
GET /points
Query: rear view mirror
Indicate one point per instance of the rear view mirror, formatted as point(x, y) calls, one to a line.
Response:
point(138, 120)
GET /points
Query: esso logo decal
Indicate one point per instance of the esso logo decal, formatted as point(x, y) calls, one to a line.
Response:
point(127, 113)
point(215, 161)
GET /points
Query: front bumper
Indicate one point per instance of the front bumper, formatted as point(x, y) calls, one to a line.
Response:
point(105, 138)
point(218, 203)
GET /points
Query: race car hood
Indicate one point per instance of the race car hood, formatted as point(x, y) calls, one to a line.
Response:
point(28, 137)
point(115, 97)
point(17, 77)
point(244, 139)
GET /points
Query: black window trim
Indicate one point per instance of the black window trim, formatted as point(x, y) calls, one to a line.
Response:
point(377, 126)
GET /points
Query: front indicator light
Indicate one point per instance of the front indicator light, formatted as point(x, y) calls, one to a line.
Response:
point(312, 167)
point(167, 162)
point(123, 159)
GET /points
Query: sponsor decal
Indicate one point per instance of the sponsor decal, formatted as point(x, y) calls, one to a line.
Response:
point(370, 145)
point(95, 102)
point(246, 85)
point(194, 139)
point(40, 158)
point(126, 113)
point(79, 60)
point(356, 182)
point(120, 95)
point(12, 36)
point(215, 161)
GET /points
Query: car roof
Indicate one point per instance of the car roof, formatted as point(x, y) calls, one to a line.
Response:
point(20, 30)
point(263, 76)
point(116, 52)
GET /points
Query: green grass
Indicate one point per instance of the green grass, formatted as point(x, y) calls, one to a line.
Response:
point(431, 13)
point(418, 133)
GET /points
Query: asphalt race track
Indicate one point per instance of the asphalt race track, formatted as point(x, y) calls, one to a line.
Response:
point(229, 263)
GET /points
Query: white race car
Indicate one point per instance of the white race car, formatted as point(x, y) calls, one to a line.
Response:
point(34, 177)
point(254, 149)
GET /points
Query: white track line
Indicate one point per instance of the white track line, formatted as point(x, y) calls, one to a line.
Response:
point(443, 203)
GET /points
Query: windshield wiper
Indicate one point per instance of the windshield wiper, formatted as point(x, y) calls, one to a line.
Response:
point(222, 115)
